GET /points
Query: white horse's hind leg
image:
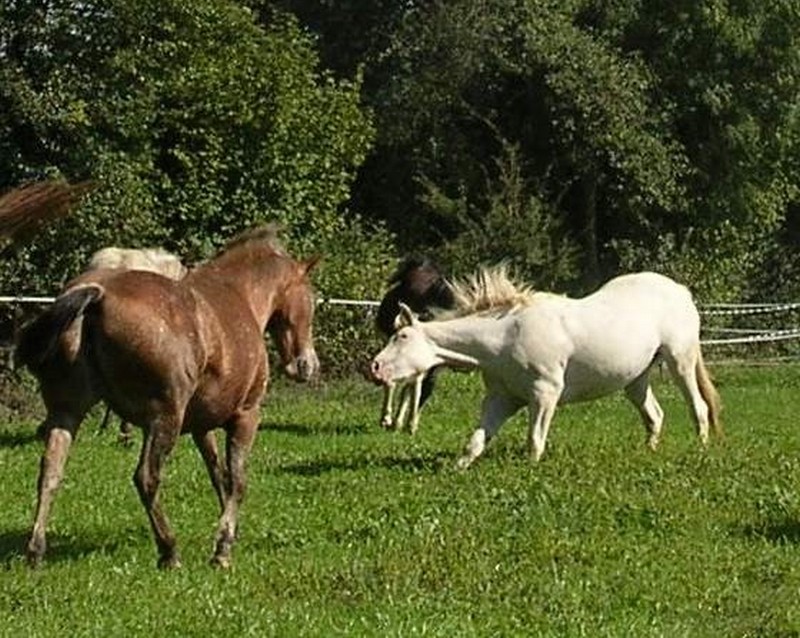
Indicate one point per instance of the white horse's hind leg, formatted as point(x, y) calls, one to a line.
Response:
point(641, 395)
point(496, 409)
point(683, 369)
point(540, 413)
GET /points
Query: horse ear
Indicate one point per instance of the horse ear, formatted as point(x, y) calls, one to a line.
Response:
point(406, 317)
point(311, 263)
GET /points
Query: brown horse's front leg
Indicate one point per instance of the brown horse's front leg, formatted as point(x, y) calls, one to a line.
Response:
point(51, 469)
point(158, 442)
point(239, 442)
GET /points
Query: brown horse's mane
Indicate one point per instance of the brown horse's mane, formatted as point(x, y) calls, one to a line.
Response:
point(489, 289)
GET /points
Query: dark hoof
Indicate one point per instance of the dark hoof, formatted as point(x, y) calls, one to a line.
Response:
point(169, 562)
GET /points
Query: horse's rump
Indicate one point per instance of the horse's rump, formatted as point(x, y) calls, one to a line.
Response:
point(38, 340)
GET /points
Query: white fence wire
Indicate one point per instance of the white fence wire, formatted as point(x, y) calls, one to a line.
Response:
point(713, 335)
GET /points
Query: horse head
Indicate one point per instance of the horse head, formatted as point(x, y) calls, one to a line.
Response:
point(410, 352)
point(291, 324)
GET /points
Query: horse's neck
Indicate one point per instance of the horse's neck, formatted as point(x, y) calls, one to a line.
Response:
point(259, 292)
point(479, 336)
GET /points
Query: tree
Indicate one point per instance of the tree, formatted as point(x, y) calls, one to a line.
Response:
point(729, 77)
point(466, 79)
point(197, 121)
point(651, 135)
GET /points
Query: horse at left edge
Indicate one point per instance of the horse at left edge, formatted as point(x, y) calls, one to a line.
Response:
point(173, 357)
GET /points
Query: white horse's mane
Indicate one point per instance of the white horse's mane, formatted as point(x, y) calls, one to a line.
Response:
point(490, 288)
point(153, 259)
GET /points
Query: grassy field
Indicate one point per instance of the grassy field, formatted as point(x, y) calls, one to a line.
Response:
point(349, 530)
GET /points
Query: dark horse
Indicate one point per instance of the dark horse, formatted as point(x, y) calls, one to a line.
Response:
point(172, 357)
point(419, 283)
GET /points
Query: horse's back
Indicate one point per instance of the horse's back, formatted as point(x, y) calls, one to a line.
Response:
point(648, 300)
point(155, 260)
point(608, 338)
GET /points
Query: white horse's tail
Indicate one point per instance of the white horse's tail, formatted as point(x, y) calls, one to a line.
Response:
point(710, 394)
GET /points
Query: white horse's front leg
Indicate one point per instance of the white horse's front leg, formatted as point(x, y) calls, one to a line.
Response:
point(401, 417)
point(387, 418)
point(415, 401)
point(496, 409)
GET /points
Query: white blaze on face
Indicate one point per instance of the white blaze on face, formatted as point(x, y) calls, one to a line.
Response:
point(408, 354)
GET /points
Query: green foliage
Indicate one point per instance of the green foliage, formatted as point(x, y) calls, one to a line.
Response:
point(729, 78)
point(637, 122)
point(465, 79)
point(514, 225)
point(203, 119)
point(349, 530)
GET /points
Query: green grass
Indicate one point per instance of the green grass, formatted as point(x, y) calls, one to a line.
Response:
point(349, 530)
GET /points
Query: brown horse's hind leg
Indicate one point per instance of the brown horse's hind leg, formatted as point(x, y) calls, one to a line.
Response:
point(158, 443)
point(206, 442)
point(51, 469)
point(241, 435)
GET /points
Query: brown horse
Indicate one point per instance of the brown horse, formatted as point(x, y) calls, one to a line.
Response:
point(172, 357)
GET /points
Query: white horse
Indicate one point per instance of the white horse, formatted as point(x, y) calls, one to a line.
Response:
point(539, 350)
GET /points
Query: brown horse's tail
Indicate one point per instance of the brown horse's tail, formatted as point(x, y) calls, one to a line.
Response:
point(37, 342)
point(709, 393)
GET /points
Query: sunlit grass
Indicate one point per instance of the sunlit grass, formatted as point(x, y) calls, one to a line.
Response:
point(349, 530)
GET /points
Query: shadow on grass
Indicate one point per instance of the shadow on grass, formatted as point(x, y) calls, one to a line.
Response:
point(780, 532)
point(302, 429)
point(17, 439)
point(60, 548)
point(433, 463)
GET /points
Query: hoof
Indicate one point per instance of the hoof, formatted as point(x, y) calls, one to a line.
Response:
point(169, 562)
point(34, 553)
point(34, 559)
point(221, 562)
point(463, 463)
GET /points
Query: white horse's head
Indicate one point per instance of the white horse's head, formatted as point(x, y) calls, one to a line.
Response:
point(410, 352)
